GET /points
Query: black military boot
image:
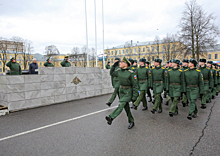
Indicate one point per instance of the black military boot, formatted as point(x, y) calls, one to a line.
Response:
point(176, 113)
point(131, 125)
point(184, 104)
point(194, 115)
point(167, 103)
point(150, 100)
point(108, 104)
point(187, 103)
point(203, 106)
point(159, 111)
point(145, 108)
point(189, 117)
point(135, 107)
point(170, 114)
point(213, 97)
point(109, 120)
point(216, 94)
point(153, 111)
point(132, 106)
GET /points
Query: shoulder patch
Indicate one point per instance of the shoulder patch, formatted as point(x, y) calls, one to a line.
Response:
point(146, 67)
point(180, 70)
point(198, 70)
point(130, 71)
point(162, 68)
point(207, 67)
point(170, 70)
point(186, 70)
point(132, 67)
point(153, 67)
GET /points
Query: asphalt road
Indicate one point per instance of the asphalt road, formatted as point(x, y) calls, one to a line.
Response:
point(87, 133)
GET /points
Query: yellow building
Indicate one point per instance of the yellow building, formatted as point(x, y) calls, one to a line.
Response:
point(151, 50)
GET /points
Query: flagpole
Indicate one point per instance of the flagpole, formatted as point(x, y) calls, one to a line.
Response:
point(95, 34)
point(103, 34)
point(86, 37)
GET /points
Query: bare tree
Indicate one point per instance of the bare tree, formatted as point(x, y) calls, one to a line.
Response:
point(4, 51)
point(75, 55)
point(27, 50)
point(17, 45)
point(93, 57)
point(84, 52)
point(197, 29)
point(157, 42)
point(51, 51)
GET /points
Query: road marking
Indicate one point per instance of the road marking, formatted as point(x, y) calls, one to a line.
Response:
point(54, 124)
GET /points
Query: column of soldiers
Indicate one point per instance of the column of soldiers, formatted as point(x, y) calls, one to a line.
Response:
point(187, 81)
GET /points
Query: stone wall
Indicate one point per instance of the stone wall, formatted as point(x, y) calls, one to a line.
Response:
point(53, 85)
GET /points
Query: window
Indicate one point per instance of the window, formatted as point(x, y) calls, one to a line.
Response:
point(108, 52)
point(153, 58)
point(0, 62)
point(148, 49)
point(19, 57)
point(187, 58)
point(148, 58)
point(152, 48)
point(135, 50)
point(163, 58)
point(115, 52)
point(112, 61)
point(13, 47)
point(127, 51)
point(123, 51)
point(130, 50)
point(0, 69)
point(32, 57)
point(157, 48)
point(164, 48)
point(10, 56)
point(143, 49)
point(119, 51)
point(139, 50)
point(0, 56)
point(174, 47)
point(168, 47)
point(135, 58)
point(40, 64)
point(216, 56)
point(20, 63)
point(210, 56)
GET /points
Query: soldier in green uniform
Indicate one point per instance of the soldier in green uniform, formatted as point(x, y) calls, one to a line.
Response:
point(165, 92)
point(148, 90)
point(128, 91)
point(157, 82)
point(15, 68)
point(214, 79)
point(65, 62)
point(207, 79)
point(194, 87)
point(115, 81)
point(185, 101)
point(218, 87)
point(131, 64)
point(108, 65)
point(142, 76)
point(218, 76)
point(175, 85)
point(215, 74)
point(48, 63)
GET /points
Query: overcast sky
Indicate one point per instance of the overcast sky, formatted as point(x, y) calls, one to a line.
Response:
point(62, 22)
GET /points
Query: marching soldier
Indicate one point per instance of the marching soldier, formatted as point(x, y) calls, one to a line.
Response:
point(142, 76)
point(214, 79)
point(115, 81)
point(131, 63)
point(128, 91)
point(218, 76)
point(65, 62)
point(185, 101)
point(165, 92)
point(15, 68)
point(48, 63)
point(157, 82)
point(175, 85)
point(148, 89)
point(135, 64)
point(108, 65)
point(208, 82)
point(194, 87)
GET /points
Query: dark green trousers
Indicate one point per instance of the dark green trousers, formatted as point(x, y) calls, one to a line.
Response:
point(174, 107)
point(205, 97)
point(148, 93)
point(142, 98)
point(193, 107)
point(115, 93)
point(157, 101)
point(184, 100)
point(119, 109)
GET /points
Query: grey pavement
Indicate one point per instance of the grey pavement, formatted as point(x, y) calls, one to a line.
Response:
point(156, 134)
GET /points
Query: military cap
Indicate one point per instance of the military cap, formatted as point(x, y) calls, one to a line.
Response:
point(66, 57)
point(193, 61)
point(131, 60)
point(117, 58)
point(202, 60)
point(147, 62)
point(135, 61)
point(12, 58)
point(168, 61)
point(158, 60)
point(186, 60)
point(108, 61)
point(181, 63)
point(48, 59)
point(176, 61)
point(142, 60)
point(126, 61)
point(210, 62)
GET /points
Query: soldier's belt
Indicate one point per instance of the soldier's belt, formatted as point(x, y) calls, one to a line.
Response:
point(205, 80)
point(175, 84)
point(192, 85)
point(142, 80)
point(15, 70)
point(125, 87)
point(158, 81)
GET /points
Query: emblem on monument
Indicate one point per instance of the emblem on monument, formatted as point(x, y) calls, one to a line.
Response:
point(76, 80)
